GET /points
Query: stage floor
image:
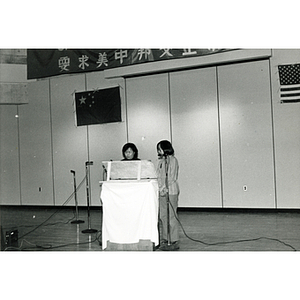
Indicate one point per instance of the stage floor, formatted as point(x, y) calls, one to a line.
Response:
point(50, 229)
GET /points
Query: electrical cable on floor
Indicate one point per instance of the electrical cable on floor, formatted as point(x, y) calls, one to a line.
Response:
point(45, 247)
point(20, 247)
point(36, 247)
point(229, 242)
point(49, 224)
point(66, 202)
point(48, 247)
point(40, 247)
point(97, 238)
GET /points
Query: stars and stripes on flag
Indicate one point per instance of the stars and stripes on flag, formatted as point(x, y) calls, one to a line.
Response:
point(98, 107)
point(289, 78)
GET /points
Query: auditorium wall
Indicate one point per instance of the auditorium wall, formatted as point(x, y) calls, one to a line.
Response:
point(236, 143)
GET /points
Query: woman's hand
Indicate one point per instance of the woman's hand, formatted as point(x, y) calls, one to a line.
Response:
point(163, 191)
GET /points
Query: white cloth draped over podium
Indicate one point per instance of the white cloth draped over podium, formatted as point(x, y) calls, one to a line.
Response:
point(130, 211)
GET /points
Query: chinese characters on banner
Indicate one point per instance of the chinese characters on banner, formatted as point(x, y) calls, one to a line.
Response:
point(51, 62)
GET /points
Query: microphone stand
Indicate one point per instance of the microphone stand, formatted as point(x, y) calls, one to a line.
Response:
point(88, 194)
point(168, 201)
point(76, 202)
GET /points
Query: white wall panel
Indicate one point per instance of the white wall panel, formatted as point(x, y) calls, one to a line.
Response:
point(35, 141)
point(69, 141)
point(148, 113)
point(246, 135)
point(194, 115)
point(105, 140)
point(9, 157)
point(287, 136)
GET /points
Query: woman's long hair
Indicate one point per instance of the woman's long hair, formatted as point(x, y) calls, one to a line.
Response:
point(134, 149)
point(166, 147)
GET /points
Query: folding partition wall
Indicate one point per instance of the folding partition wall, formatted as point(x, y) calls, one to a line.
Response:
point(148, 115)
point(220, 122)
point(219, 119)
point(9, 155)
point(247, 156)
point(35, 147)
point(195, 135)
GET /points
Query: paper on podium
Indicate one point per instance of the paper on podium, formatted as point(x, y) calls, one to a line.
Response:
point(129, 170)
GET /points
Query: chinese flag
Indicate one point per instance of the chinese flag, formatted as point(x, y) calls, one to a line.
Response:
point(98, 107)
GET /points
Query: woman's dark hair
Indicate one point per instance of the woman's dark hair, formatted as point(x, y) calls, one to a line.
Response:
point(166, 146)
point(134, 149)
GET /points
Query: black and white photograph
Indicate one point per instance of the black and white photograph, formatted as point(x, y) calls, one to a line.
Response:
point(174, 161)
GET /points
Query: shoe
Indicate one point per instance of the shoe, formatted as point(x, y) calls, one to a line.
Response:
point(155, 248)
point(175, 246)
point(172, 247)
point(161, 245)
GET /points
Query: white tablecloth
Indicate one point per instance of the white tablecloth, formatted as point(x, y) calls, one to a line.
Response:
point(130, 211)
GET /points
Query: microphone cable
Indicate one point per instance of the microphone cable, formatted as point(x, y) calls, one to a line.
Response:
point(36, 247)
point(58, 210)
point(229, 242)
point(50, 247)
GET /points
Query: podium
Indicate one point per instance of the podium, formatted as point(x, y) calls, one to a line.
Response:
point(130, 206)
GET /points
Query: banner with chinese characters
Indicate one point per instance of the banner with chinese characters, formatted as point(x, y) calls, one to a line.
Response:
point(51, 62)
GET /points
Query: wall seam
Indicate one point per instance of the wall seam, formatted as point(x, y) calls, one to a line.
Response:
point(220, 144)
point(273, 131)
point(170, 111)
point(19, 155)
point(126, 111)
point(51, 141)
point(87, 126)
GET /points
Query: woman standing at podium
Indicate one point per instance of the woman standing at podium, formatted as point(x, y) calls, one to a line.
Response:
point(167, 168)
point(130, 152)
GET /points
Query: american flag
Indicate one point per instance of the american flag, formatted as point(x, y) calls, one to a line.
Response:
point(289, 77)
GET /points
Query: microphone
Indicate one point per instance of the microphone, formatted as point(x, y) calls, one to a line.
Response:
point(72, 171)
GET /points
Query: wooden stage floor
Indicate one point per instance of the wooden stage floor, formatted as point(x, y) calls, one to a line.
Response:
point(50, 229)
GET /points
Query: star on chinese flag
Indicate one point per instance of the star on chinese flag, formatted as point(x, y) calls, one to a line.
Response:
point(98, 107)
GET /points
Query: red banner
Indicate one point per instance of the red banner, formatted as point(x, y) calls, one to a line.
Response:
point(51, 62)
